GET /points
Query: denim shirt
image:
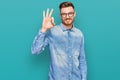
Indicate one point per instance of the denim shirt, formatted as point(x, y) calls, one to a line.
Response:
point(66, 51)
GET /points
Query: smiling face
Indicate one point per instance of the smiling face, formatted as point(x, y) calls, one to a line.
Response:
point(67, 15)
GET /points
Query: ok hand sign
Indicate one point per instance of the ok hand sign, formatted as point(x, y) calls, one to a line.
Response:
point(48, 21)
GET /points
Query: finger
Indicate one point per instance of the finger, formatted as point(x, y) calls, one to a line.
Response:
point(53, 21)
point(43, 14)
point(51, 12)
point(47, 12)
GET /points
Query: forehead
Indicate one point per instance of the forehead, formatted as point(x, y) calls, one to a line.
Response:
point(67, 9)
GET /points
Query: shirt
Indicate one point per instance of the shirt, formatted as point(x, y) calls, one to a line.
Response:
point(67, 53)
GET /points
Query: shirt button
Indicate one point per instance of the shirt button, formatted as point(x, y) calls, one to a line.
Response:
point(43, 49)
point(70, 56)
point(69, 73)
point(70, 64)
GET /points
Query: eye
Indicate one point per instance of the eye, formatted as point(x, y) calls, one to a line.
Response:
point(70, 14)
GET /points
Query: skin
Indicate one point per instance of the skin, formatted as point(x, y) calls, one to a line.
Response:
point(48, 21)
point(67, 21)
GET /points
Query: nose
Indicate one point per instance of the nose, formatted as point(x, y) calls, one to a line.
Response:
point(67, 16)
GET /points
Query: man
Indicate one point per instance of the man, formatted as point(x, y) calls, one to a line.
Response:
point(66, 44)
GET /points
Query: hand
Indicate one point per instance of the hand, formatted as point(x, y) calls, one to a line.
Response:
point(48, 21)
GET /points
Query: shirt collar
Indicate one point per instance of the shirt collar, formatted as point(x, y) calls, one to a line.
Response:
point(64, 29)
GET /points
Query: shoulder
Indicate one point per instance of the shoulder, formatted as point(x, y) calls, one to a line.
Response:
point(78, 32)
point(55, 29)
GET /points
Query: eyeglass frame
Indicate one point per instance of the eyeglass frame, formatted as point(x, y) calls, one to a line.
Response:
point(65, 14)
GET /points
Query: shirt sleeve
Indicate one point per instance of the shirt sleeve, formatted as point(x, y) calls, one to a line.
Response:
point(39, 43)
point(82, 59)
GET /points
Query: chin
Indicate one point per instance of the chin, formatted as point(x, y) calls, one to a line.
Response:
point(68, 23)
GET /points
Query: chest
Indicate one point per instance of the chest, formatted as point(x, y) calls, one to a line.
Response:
point(66, 39)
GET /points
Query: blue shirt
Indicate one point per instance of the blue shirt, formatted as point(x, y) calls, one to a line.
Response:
point(66, 51)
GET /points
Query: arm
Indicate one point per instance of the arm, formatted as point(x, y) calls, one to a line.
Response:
point(83, 65)
point(39, 43)
point(41, 40)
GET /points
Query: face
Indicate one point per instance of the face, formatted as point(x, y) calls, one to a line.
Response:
point(67, 15)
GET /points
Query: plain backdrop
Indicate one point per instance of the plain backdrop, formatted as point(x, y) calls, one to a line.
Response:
point(20, 21)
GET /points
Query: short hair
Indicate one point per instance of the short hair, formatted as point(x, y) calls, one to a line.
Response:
point(66, 4)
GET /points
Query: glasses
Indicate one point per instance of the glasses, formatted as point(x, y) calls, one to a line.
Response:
point(70, 14)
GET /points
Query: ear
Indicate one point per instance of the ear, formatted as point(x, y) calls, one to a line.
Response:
point(75, 14)
point(60, 16)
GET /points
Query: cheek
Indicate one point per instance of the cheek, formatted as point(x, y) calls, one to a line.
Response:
point(63, 19)
point(72, 18)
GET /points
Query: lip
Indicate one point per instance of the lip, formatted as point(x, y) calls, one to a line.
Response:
point(68, 20)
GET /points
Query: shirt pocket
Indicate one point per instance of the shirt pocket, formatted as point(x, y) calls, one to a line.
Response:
point(61, 43)
point(60, 46)
point(77, 45)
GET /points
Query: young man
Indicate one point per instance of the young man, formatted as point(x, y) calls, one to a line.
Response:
point(66, 44)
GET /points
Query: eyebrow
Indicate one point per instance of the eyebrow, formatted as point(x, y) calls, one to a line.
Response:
point(67, 12)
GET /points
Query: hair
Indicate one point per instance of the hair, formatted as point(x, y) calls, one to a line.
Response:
point(66, 4)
